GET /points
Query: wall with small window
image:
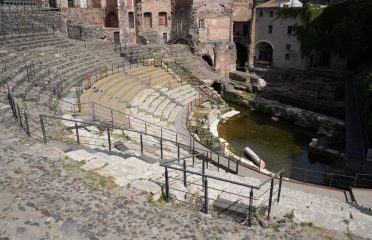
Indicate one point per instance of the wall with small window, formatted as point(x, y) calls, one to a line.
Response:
point(279, 33)
point(214, 28)
point(131, 19)
point(163, 19)
point(159, 11)
point(147, 20)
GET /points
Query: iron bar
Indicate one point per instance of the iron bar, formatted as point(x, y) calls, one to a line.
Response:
point(280, 186)
point(43, 129)
point(270, 198)
point(27, 125)
point(141, 143)
point(166, 185)
point(109, 138)
point(77, 133)
point(250, 210)
point(184, 172)
point(206, 195)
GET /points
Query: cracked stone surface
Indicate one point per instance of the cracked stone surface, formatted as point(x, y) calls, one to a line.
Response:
point(41, 199)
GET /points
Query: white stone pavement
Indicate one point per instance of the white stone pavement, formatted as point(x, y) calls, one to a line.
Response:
point(132, 170)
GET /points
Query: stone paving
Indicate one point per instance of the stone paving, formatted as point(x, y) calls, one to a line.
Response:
point(132, 170)
point(43, 195)
point(46, 195)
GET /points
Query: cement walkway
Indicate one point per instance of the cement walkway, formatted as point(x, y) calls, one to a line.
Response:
point(181, 127)
point(363, 197)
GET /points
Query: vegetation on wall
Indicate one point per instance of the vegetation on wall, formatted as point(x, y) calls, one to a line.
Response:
point(343, 28)
point(365, 92)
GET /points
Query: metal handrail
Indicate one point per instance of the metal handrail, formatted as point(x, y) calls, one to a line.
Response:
point(166, 164)
point(277, 174)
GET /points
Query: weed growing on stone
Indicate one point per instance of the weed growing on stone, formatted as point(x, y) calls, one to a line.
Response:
point(64, 138)
point(159, 202)
point(274, 225)
point(124, 137)
point(91, 176)
point(74, 165)
point(95, 179)
point(307, 224)
point(290, 215)
point(101, 131)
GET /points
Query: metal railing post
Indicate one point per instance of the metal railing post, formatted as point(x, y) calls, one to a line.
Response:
point(280, 186)
point(19, 116)
point(77, 133)
point(330, 183)
point(161, 147)
point(237, 163)
point(94, 114)
point(250, 210)
point(178, 152)
point(193, 146)
point(218, 162)
point(193, 159)
point(43, 128)
point(184, 172)
point(166, 185)
point(206, 195)
point(355, 179)
point(27, 126)
point(203, 166)
point(112, 119)
point(207, 159)
point(141, 140)
point(14, 108)
point(109, 138)
point(270, 198)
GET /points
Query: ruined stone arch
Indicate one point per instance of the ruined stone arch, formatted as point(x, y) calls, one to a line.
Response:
point(208, 59)
point(264, 51)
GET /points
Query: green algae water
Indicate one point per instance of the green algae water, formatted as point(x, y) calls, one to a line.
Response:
point(281, 144)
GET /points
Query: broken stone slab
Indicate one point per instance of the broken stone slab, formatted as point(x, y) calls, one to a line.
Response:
point(119, 145)
point(177, 191)
point(148, 186)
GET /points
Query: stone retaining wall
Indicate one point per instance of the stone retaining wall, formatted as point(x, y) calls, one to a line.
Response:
point(309, 119)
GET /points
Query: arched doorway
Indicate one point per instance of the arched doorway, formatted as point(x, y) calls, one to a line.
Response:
point(264, 52)
point(111, 20)
point(217, 86)
point(208, 59)
point(241, 55)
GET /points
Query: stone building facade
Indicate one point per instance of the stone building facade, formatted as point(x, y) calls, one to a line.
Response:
point(125, 21)
point(212, 27)
point(228, 34)
point(275, 44)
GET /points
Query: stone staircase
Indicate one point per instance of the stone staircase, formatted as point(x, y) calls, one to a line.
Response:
point(41, 67)
point(147, 92)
